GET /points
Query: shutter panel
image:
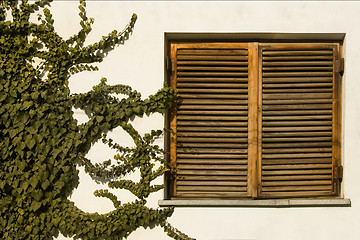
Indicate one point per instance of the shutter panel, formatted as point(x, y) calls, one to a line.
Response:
point(211, 139)
point(298, 120)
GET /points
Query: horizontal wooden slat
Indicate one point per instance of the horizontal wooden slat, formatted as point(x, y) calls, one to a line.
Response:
point(296, 85)
point(212, 79)
point(295, 150)
point(297, 194)
point(298, 53)
point(297, 74)
point(296, 112)
point(299, 63)
point(210, 178)
point(301, 79)
point(308, 117)
point(212, 140)
point(297, 188)
point(212, 85)
point(298, 68)
point(212, 188)
point(296, 101)
point(209, 57)
point(298, 96)
point(210, 167)
point(223, 155)
point(214, 129)
point(299, 106)
point(295, 58)
point(214, 112)
point(213, 145)
point(296, 129)
point(212, 172)
point(211, 90)
point(214, 96)
point(214, 134)
point(296, 172)
point(216, 63)
point(298, 123)
point(235, 52)
point(209, 118)
point(214, 101)
point(297, 139)
point(211, 68)
point(298, 90)
point(297, 144)
point(296, 166)
point(212, 161)
point(296, 155)
point(210, 150)
point(280, 161)
point(297, 134)
point(297, 177)
point(212, 183)
point(212, 194)
point(242, 123)
point(297, 183)
point(217, 74)
point(212, 107)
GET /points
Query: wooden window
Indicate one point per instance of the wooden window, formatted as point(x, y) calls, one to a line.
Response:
point(255, 120)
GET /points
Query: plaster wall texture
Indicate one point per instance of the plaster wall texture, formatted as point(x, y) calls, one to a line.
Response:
point(140, 64)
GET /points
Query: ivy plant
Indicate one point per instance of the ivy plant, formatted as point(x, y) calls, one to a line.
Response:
point(42, 144)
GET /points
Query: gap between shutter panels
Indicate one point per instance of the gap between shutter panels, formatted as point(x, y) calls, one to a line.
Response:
point(212, 121)
point(297, 122)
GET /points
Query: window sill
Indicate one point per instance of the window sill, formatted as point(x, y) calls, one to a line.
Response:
point(272, 203)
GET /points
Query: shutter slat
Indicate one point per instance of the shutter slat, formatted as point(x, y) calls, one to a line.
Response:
point(284, 161)
point(211, 167)
point(212, 161)
point(296, 85)
point(212, 68)
point(214, 96)
point(297, 166)
point(217, 112)
point(235, 52)
point(298, 183)
point(211, 140)
point(213, 145)
point(194, 194)
point(299, 63)
point(212, 79)
point(212, 63)
point(228, 156)
point(307, 117)
point(287, 129)
point(212, 107)
point(210, 118)
point(297, 68)
point(201, 90)
point(211, 178)
point(296, 90)
point(212, 188)
point(303, 79)
point(298, 53)
point(240, 123)
point(295, 150)
point(216, 129)
point(212, 85)
point(212, 183)
point(211, 172)
point(206, 57)
point(213, 101)
point(295, 102)
point(297, 188)
point(210, 150)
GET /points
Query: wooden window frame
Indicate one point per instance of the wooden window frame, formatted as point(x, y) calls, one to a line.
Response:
point(255, 149)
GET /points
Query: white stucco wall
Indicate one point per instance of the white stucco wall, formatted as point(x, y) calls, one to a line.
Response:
point(140, 62)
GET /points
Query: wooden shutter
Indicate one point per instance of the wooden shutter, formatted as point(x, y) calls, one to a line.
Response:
point(210, 144)
point(300, 120)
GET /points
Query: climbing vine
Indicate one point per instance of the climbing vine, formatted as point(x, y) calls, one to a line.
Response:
point(42, 144)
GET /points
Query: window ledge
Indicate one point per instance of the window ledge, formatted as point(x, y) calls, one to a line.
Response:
point(277, 203)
